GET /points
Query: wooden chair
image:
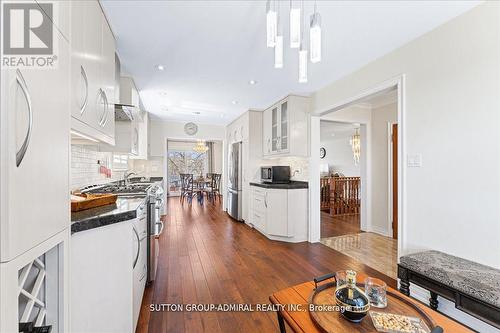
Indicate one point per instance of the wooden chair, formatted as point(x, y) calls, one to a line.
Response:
point(187, 189)
point(213, 190)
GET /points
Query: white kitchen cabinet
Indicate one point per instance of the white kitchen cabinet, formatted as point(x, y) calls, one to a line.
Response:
point(247, 129)
point(139, 265)
point(280, 214)
point(93, 72)
point(101, 298)
point(277, 213)
point(142, 136)
point(286, 128)
point(40, 274)
point(34, 153)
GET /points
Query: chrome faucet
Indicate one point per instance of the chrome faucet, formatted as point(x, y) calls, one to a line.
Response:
point(126, 176)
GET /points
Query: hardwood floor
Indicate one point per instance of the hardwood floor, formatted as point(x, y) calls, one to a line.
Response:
point(206, 257)
point(339, 225)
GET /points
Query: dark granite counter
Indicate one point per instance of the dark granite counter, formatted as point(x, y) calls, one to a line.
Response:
point(292, 185)
point(123, 210)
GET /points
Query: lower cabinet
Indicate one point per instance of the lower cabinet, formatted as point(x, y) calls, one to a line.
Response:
point(280, 214)
point(108, 276)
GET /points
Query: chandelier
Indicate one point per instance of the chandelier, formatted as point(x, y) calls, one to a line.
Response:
point(275, 35)
point(356, 146)
point(200, 147)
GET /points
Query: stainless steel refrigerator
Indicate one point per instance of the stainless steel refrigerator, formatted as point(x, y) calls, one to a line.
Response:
point(234, 185)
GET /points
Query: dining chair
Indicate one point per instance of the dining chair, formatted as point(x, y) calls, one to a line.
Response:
point(187, 189)
point(213, 190)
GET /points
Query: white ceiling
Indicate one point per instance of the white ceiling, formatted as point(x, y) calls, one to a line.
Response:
point(211, 49)
point(334, 130)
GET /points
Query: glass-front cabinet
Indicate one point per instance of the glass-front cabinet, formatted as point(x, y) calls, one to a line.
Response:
point(286, 127)
point(279, 129)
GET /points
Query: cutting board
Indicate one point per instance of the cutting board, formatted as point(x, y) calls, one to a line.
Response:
point(91, 201)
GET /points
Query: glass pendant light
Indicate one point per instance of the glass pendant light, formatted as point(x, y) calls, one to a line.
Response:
point(303, 59)
point(271, 24)
point(278, 47)
point(294, 27)
point(303, 65)
point(315, 36)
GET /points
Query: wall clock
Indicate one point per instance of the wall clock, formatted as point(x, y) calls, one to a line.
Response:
point(322, 152)
point(191, 129)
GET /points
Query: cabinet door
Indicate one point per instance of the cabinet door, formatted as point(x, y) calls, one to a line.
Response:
point(92, 51)
point(283, 139)
point(108, 78)
point(35, 154)
point(266, 124)
point(276, 212)
point(274, 129)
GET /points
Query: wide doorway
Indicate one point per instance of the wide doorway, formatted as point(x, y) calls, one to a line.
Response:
point(358, 181)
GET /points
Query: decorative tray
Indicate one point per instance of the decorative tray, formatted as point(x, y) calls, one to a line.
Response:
point(332, 321)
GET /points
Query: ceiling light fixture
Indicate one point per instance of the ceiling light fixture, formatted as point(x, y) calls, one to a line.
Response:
point(234, 102)
point(196, 112)
point(356, 145)
point(302, 57)
point(278, 47)
point(271, 23)
point(160, 67)
point(297, 30)
point(294, 27)
point(315, 36)
point(200, 147)
point(252, 82)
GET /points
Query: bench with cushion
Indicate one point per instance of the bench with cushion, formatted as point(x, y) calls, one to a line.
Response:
point(474, 288)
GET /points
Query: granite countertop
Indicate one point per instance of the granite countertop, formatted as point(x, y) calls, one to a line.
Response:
point(124, 209)
point(292, 185)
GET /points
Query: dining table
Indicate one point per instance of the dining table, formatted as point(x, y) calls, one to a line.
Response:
point(199, 184)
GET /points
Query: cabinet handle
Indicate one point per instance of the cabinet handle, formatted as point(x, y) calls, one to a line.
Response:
point(106, 110)
point(138, 248)
point(86, 100)
point(268, 144)
point(22, 151)
point(102, 96)
point(265, 200)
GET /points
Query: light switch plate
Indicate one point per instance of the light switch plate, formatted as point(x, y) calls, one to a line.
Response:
point(414, 160)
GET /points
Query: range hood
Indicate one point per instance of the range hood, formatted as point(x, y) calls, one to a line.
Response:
point(129, 96)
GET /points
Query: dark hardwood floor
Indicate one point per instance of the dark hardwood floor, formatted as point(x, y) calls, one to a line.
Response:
point(339, 225)
point(206, 257)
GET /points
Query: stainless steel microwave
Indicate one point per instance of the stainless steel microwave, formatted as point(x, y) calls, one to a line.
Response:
point(275, 174)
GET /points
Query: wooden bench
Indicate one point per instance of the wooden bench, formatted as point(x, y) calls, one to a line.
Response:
point(474, 288)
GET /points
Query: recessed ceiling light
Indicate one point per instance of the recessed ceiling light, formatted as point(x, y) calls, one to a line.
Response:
point(164, 108)
point(234, 102)
point(162, 93)
point(160, 67)
point(196, 112)
point(252, 82)
point(222, 115)
point(333, 134)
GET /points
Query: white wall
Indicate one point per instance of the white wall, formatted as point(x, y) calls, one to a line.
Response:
point(339, 156)
point(161, 130)
point(451, 105)
point(381, 216)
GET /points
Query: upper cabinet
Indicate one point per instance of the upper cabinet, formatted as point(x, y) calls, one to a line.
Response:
point(92, 72)
point(34, 153)
point(286, 128)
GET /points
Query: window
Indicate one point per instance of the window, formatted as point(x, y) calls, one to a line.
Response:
point(120, 162)
point(180, 161)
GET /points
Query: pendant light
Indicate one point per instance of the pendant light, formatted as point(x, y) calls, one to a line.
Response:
point(295, 23)
point(356, 146)
point(278, 47)
point(271, 24)
point(315, 36)
point(302, 57)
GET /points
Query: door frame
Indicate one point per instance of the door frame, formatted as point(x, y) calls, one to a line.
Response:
point(390, 178)
point(398, 83)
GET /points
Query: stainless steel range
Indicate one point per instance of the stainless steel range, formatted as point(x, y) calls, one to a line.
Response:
point(156, 201)
point(154, 195)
